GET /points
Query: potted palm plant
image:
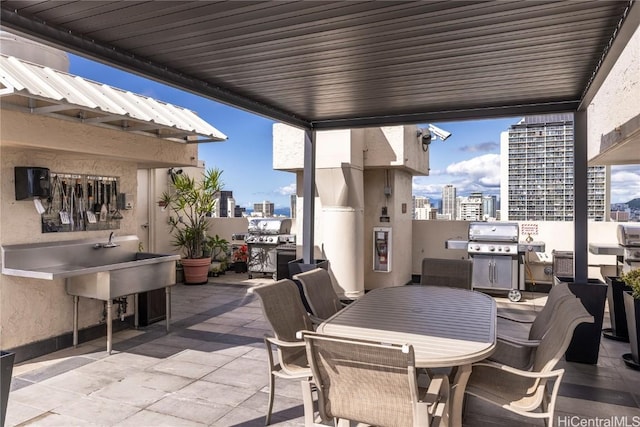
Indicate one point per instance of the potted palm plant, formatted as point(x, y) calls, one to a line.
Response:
point(632, 309)
point(190, 202)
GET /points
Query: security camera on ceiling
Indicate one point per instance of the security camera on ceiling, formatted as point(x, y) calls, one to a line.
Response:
point(431, 133)
point(440, 133)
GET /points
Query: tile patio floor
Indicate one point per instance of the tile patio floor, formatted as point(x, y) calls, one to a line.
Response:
point(210, 370)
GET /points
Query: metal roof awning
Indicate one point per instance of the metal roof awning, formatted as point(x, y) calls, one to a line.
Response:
point(36, 89)
point(337, 64)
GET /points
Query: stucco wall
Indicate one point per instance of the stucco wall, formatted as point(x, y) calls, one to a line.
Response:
point(388, 146)
point(429, 239)
point(618, 99)
point(30, 309)
point(400, 223)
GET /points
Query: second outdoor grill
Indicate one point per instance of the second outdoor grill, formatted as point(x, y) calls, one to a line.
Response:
point(264, 236)
point(493, 247)
point(629, 241)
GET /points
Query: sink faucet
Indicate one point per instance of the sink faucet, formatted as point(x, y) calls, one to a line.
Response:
point(110, 243)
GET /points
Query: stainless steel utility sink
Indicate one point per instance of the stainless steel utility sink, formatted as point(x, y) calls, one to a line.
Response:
point(94, 268)
point(67, 259)
point(138, 272)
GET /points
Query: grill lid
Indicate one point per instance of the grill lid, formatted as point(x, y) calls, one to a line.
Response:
point(493, 231)
point(628, 235)
point(269, 226)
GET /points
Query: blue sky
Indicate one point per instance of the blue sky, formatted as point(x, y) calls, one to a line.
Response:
point(469, 159)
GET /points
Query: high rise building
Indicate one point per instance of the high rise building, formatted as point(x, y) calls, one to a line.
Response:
point(421, 207)
point(231, 207)
point(222, 204)
point(264, 209)
point(489, 207)
point(293, 202)
point(537, 171)
point(449, 201)
point(471, 207)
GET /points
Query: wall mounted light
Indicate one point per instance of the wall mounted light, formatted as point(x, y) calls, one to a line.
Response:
point(173, 172)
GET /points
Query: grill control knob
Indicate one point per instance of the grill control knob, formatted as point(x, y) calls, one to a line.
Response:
point(507, 249)
point(492, 248)
point(477, 248)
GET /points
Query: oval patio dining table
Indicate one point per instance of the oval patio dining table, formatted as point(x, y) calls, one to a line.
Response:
point(447, 327)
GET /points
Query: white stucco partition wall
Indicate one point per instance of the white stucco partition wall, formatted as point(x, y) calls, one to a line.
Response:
point(358, 171)
point(429, 237)
point(617, 101)
point(161, 236)
point(400, 221)
point(32, 310)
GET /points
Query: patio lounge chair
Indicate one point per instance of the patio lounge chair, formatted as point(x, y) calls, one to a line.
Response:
point(516, 348)
point(524, 392)
point(455, 273)
point(285, 313)
point(371, 383)
point(318, 290)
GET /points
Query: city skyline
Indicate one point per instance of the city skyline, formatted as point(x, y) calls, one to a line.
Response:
point(469, 159)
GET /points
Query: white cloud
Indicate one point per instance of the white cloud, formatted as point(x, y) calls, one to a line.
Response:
point(625, 183)
point(484, 169)
point(426, 189)
point(287, 190)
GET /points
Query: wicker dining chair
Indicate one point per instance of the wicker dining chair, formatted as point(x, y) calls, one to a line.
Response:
point(517, 348)
point(525, 392)
point(372, 383)
point(456, 273)
point(319, 293)
point(285, 313)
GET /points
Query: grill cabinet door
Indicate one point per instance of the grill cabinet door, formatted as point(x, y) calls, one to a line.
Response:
point(482, 271)
point(503, 272)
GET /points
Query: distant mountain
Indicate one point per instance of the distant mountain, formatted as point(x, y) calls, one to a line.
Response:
point(634, 204)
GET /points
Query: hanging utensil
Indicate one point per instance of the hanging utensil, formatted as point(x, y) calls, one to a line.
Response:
point(80, 207)
point(50, 199)
point(98, 205)
point(116, 214)
point(91, 216)
point(107, 202)
point(72, 193)
point(64, 213)
point(103, 208)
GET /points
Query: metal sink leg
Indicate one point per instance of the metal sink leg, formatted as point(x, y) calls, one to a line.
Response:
point(75, 320)
point(167, 306)
point(109, 326)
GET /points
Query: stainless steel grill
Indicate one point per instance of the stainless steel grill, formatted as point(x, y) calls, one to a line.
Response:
point(629, 241)
point(493, 247)
point(264, 236)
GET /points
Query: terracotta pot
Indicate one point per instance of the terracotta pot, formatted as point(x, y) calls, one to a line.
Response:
point(196, 270)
